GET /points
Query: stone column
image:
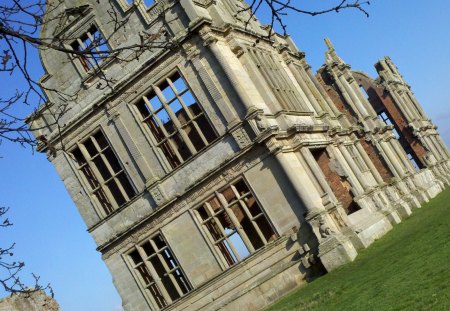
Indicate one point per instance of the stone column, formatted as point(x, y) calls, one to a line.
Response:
point(355, 169)
point(369, 163)
point(343, 86)
point(401, 105)
point(222, 103)
point(392, 158)
point(438, 147)
point(432, 148)
point(316, 105)
point(311, 163)
point(237, 75)
point(312, 79)
point(401, 155)
point(301, 182)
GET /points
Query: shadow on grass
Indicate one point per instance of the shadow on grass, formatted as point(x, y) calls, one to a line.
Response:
point(407, 269)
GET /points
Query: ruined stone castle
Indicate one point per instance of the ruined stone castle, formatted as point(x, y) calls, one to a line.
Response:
point(221, 173)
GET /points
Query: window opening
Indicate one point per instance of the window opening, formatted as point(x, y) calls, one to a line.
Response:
point(176, 120)
point(93, 46)
point(105, 176)
point(413, 161)
point(384, 116)
point(364, 92)
point(340, 186)
point(159, 271)
point(235, 223)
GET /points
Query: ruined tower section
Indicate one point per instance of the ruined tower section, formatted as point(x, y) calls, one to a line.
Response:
point(212, 168)
point(395, 103)
point(395, 145)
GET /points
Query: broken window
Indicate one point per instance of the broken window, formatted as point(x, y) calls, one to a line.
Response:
point(364, 92)
point(159, 271)
point(107, 180)
point(176, 120)
point(235, 223)
point(93, 47)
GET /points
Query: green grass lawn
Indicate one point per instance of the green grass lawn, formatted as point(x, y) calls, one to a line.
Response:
point(407, 269)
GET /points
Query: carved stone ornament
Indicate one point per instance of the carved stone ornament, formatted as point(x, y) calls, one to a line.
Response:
point(324, 229)
point(241, 138)
point(204, 3)
point(261, 122)
point(157, 195)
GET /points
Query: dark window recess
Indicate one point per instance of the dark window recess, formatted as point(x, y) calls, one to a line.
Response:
point(159, 271)
point(385, 117)
point(176, 120)
point(417, 165)
point(340, 186)
point(93, 47)
point(235, 223)
point(106, 177)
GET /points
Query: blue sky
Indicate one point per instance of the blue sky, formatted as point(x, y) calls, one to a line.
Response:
point(50, 235)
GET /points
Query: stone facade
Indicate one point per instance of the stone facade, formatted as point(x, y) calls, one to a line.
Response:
point(34, 301)
point(222, 173)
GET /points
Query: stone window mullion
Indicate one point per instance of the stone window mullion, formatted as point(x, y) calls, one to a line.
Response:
point(167, 136)
point(113, 174)
point(175, 121)
point(140, 277)
point(97, 170)
point(241, 202)
point(252, 219)
point(100, 153)
point(192, 119)
point(225, 236)
point(213, 221)
point(181, 115)
point(97, 175)
point(236, 223)
point(154, 274)
point(167, 269)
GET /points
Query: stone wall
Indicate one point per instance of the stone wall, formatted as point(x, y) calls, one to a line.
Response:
point(35, 301)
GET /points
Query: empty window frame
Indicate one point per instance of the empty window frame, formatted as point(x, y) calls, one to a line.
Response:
point(413, 161)
point(384, 116)
point(107, 180)
point(158, 271)
point(93, 47)
point(235, 223)
point(176, 120)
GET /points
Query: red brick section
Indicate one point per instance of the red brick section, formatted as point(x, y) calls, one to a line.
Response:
point(377, 161)
point(343, 107)
point(335, 96)
point(380, 99)
point(340, 186)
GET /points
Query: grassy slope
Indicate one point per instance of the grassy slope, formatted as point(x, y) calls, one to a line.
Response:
point(408, 269)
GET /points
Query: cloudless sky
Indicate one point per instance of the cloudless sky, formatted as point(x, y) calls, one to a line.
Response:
point(50, 235)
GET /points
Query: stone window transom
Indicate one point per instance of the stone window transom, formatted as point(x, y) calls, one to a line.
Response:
point(234, 223)
point(176, 120)
point(108, 183)
point(158, 271)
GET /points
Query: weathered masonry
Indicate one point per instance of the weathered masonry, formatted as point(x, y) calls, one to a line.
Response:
point(221, 173)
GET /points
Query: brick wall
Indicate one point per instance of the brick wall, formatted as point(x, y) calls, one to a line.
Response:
point(380, 99)
point(340, 186)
